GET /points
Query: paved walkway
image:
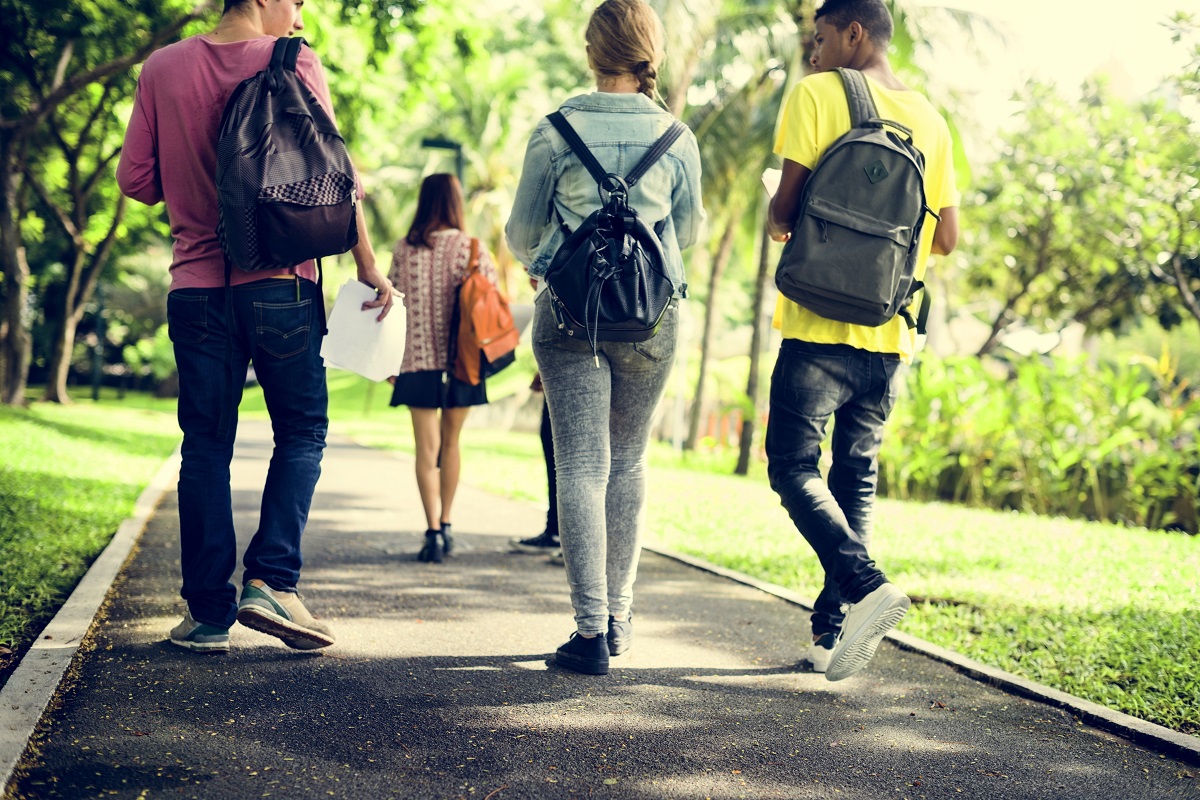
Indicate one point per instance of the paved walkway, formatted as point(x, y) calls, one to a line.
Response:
point(438, 686)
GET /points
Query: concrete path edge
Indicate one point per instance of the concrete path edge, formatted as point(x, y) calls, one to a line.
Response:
point(1156, 737)
point(34, 682)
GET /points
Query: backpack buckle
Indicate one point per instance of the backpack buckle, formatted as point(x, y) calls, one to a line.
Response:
point(614, 186)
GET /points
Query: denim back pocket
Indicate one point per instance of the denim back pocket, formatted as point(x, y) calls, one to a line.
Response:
point(282, 329)
point(661, 346)
point(187, 318)
point(811, 384)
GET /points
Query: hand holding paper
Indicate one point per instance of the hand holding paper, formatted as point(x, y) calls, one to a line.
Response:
point(359, 343)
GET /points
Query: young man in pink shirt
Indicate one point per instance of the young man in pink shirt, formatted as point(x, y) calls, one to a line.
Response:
point(272, 318)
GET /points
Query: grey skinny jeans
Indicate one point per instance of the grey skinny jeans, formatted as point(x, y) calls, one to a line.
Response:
point(600, 418)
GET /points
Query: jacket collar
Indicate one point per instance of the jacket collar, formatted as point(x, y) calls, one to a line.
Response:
point(613, 101)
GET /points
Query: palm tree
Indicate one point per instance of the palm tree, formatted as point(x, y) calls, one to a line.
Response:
point(732, 174)
point(724, 77)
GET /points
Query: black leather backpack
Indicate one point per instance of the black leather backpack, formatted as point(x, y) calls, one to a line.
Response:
point(607, 281)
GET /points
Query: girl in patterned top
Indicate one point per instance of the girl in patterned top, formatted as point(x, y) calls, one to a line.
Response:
point(428, 265)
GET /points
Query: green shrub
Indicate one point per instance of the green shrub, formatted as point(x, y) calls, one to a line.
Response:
point(1049, 436)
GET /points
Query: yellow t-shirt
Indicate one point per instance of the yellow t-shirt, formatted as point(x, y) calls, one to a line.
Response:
point(814, 117)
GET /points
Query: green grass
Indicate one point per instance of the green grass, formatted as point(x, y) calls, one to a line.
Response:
point(70, 476)
point(1100, 611)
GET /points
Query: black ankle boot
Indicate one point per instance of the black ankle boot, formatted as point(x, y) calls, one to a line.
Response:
point(620, 635)
point(432, 551)
point(586, 655)
point(447, 540)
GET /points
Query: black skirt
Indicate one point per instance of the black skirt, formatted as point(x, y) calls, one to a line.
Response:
point(434, 388)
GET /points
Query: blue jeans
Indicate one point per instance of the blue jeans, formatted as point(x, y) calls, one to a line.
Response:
point(277, 324)
point(600, 417)
point(811, 383)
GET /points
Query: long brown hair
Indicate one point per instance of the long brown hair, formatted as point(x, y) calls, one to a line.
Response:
point(626, 37)
point(440, 205)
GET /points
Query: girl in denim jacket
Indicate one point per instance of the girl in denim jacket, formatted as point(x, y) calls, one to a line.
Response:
point(601, 417)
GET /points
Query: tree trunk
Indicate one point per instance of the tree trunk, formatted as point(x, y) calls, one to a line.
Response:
point(746, 439)
point(1041, 264)
point(1190, 302)
point(16, 349)
point(710, 312)
point(65, 325)
point(60, 361)
point(1001, 322)
point(679, 88)
point(17, 346)
point(81, 287)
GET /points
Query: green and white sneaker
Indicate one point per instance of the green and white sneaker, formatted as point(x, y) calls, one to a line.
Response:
point(200, 637)
point(281, 614)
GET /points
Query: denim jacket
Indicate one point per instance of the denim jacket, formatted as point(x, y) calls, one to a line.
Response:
point(618, 128)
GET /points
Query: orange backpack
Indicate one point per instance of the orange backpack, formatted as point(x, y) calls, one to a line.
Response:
point(487, 336)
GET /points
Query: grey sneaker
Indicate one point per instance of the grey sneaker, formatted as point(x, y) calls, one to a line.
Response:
point(200, 637)
point(866, 623)
point(821, 651)
point(281, 614)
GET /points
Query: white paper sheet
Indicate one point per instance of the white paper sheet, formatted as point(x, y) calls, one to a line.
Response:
point(770, 179)
point(358, 343)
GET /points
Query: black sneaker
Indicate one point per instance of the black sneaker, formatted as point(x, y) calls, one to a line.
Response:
point(544, 542)
point(432, 551)
point(620, 635)
point(580, 654)
point(447, 540)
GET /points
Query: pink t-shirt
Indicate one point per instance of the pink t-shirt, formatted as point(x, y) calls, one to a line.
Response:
point(170, 150)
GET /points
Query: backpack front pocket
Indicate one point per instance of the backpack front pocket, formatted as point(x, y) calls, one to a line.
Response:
point(309, 219)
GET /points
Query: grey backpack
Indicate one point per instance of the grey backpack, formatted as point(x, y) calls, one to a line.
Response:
point(285, 184)
point(853, 251)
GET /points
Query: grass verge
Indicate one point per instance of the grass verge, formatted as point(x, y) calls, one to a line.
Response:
point(70, 476)
point(1100, 611)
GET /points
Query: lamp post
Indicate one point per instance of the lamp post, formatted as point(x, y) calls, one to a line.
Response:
point(442, 143)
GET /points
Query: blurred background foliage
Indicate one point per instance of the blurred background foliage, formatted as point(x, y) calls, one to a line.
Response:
point(1063, 356)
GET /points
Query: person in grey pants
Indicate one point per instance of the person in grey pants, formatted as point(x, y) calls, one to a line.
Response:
point(601, 409)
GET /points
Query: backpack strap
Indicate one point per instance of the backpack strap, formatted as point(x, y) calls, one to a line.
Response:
point(921, 320)
point(283, 56)
point(285, 53)
point(858, 97)
point(473, 261)
point(656, 151)
point(577, 146)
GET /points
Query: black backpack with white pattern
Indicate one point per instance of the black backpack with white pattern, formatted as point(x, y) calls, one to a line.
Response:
point(285, 184)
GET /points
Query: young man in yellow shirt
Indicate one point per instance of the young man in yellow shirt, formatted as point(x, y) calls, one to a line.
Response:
point(837, 369)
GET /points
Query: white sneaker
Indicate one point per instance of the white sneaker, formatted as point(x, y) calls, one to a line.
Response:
point(820, 652)
point(867, 622)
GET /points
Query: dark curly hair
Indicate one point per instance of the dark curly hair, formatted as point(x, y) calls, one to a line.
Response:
point(873, 15)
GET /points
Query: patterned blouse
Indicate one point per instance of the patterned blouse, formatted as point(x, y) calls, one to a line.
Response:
point(429, 277)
